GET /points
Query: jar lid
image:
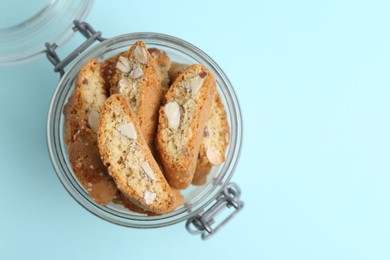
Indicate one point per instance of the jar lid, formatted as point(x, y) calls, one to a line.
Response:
point(25, 26)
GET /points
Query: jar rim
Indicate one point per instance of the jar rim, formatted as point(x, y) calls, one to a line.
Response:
point(210, 191)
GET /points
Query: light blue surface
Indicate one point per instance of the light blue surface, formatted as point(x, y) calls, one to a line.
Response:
point(314, 85)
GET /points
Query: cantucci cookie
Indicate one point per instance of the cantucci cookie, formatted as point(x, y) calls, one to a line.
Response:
point(129, 160)
point(81, 124)
point(163, 63)
point(108, 69)
point(86, 100)
point(215, 141)
point(182, 119)
point(215, 135)
point(137, 78)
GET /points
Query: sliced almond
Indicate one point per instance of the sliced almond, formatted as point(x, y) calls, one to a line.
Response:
point(122, 84)
point(172, 112)
point(195, 84)
point(123, 64)
point(140, 54)
point(149, 197)
point(148, 170)
point(127, 130)
point(214, 156)
point(93, 120)
point(136, 73)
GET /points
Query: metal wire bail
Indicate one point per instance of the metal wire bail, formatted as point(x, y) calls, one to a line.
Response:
point(87, 31)
point(203, 222)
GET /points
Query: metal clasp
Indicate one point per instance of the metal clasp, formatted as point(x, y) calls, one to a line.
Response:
point(203, 222)
point(87, 31)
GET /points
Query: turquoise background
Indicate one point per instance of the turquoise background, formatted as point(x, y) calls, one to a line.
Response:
point(313, 81)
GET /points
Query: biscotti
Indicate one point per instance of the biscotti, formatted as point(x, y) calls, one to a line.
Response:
point(215, 135)
point(137, 78)
point(108, 70)
point(86, 100)
point(215, 140)
point(163, 63)
point(182, 119)
point(129, 160)
point(81, 124)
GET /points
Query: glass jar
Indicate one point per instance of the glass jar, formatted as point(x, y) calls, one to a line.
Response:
point(201, 202)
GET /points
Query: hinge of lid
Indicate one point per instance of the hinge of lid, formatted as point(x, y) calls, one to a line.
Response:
point(203, 222)
point(87, 31)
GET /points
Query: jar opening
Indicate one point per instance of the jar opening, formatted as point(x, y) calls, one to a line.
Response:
point(196, 197)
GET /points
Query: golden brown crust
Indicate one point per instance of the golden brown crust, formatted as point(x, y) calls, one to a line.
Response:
point(178, 149)
point(81, 139)
point(147, 116)
point(144, 93)
point(163, 63)
point(70, 124)
point(125, 156)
